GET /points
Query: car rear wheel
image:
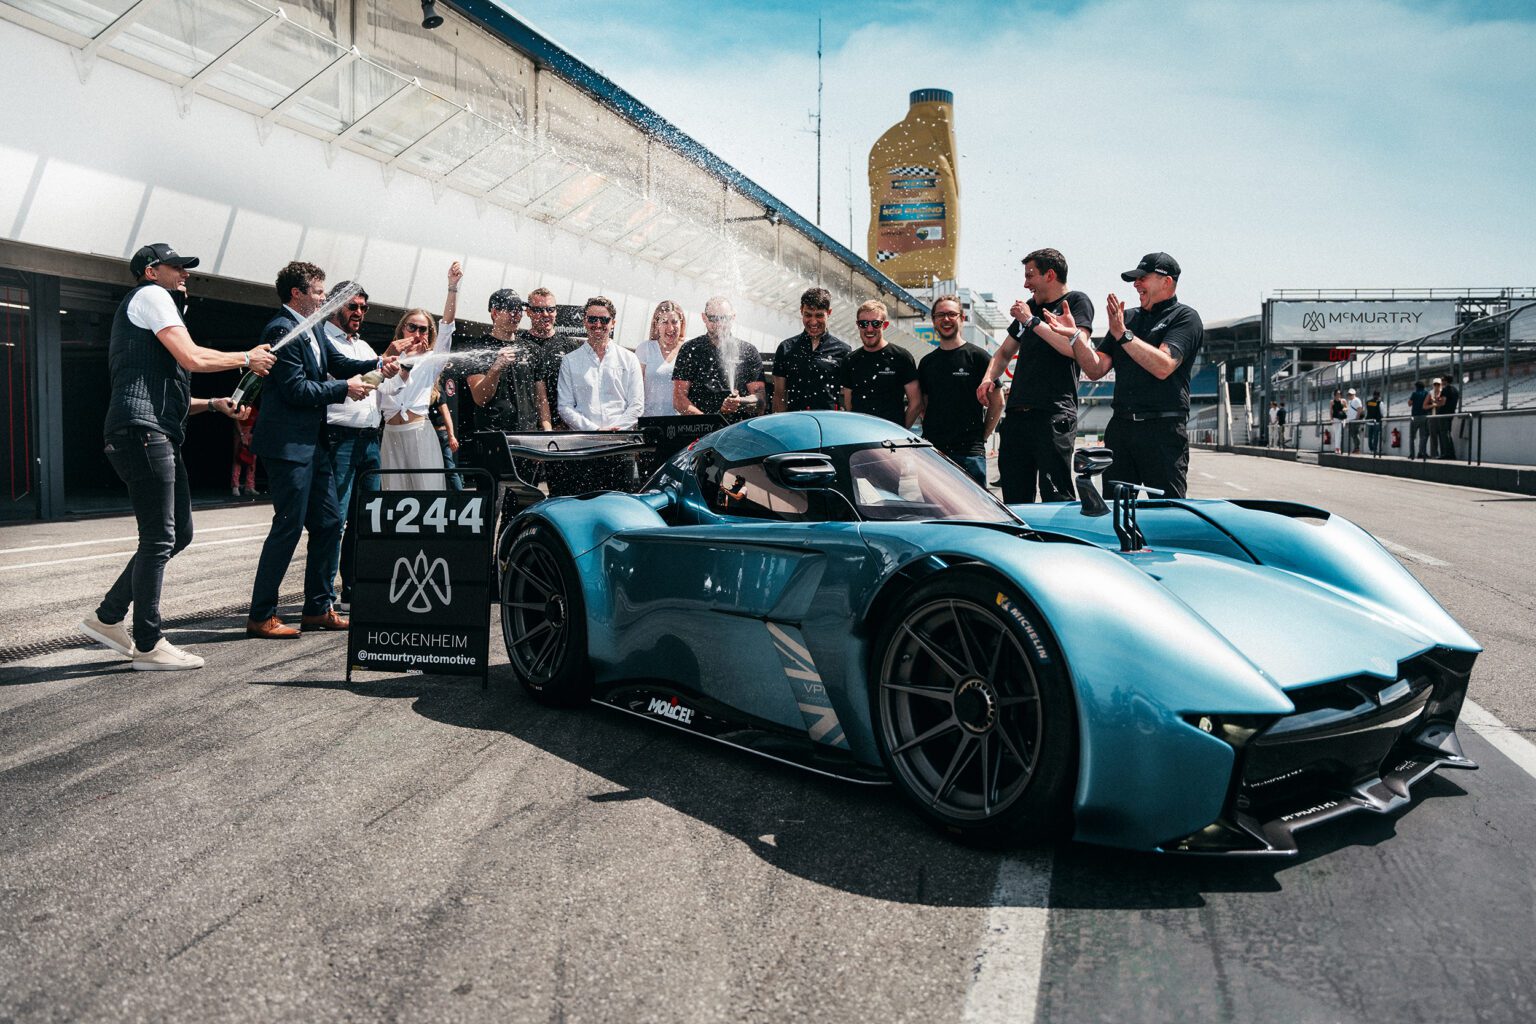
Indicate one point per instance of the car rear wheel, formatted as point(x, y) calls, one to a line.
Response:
point(973, 711)
point(543, 617)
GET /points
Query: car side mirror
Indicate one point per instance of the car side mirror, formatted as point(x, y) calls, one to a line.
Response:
point(801, 471)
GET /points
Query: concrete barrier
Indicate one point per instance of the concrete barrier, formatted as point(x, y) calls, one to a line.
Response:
point(1515, 479)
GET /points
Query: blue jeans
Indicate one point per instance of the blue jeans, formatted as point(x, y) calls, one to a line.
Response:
point(351, 455)
point(450, 460)
point(150, 464)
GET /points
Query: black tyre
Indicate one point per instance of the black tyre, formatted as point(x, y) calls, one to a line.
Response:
point(543, 618)
point(973, 710)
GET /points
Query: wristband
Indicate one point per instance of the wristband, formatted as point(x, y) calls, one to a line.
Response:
point(452, 290)
point(247, 357)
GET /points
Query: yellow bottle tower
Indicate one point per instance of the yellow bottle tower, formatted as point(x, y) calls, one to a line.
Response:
point(914, 217)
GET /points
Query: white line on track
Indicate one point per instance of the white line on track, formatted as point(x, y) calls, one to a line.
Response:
point(1208, 476)
point(1417, 556)
point(123, 554)
point(1238, 487)
point(120, 540)
point(1005, 978)
point(1508, 742)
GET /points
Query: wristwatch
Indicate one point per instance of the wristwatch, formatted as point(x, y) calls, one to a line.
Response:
point(1031, 323)
point(1127, 337)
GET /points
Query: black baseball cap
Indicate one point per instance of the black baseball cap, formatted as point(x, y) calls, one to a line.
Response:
point(156, 253)
point(1153, 263)
point(507, 299)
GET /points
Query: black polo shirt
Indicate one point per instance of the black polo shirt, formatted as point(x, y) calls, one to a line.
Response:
point(547, 365)
point(878, 381)
point(1042, 377)
point(698, 362)
point(953, 421)
point(1168, 323)
point(813, 375)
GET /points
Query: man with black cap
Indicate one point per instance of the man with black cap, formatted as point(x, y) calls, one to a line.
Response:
point(504, 393)
point(151, 359)
point(1152, 351)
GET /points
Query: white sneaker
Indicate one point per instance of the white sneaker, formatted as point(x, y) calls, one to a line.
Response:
point(165, 657)
point(114, 635)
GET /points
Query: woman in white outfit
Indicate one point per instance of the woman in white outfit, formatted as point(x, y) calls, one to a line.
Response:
point(409, 441)
point(657, 354)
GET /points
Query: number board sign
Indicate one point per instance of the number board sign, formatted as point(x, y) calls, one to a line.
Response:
point(421, 599)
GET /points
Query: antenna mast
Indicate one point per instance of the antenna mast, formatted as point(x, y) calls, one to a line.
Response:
point(818, 121)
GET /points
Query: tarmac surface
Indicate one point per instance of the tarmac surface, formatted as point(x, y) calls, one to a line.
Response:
point(261, 841)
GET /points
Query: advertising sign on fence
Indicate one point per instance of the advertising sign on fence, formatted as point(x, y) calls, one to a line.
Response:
point(1333, 323)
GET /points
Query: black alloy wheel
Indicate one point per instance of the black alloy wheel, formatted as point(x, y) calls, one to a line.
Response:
point(973, 710)
point(543, 617)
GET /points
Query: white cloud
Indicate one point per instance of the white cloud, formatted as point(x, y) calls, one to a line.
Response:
point(1307, 145)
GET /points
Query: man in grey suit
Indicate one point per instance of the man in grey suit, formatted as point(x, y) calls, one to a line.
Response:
point(291, 438)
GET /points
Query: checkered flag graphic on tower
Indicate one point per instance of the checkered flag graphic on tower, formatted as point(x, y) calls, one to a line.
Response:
point(884, 254)
point(913, 172)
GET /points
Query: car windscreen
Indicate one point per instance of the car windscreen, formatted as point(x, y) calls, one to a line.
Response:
point(917, 483)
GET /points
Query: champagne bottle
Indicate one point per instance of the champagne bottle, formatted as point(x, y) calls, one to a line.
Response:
point(247, 390)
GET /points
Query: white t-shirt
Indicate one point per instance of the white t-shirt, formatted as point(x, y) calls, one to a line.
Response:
point(154, 310)
point(658, 378)
point(1354, 409)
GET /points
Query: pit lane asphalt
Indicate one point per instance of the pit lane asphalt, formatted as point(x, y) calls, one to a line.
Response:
point(260, 841)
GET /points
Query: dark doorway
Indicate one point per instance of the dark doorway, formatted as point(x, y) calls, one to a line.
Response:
point(18, 419)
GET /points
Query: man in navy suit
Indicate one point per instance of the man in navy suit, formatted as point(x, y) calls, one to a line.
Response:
point(291, 439)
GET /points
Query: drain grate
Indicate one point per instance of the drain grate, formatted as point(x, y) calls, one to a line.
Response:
point(72, 641)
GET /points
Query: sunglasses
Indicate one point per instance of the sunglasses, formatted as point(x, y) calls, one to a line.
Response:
point(357, 307)
point(719, 319)
point(870, 323)
point(541, 310)
point(416, 328)
point(599, 319)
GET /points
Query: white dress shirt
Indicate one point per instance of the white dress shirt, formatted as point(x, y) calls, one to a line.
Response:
point(357, 413)
point(601, 394)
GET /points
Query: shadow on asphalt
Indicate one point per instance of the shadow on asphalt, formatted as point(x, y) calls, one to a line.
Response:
point(855, 838)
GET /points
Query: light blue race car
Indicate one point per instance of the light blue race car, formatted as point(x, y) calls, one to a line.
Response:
point(828, 590)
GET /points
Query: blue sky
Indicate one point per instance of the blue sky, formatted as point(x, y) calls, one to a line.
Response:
point(1368, 144)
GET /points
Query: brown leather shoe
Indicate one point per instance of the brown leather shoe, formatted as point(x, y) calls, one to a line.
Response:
point(328, 620)
point(269, 629)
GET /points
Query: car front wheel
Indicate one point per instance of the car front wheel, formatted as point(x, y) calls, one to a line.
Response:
point(543, 617)
point(973, 710)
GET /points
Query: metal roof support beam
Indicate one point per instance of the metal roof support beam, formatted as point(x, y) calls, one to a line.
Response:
point(656, 215)
point(392, 100)
point(186, 92)
point(708, 250)
point(501, 134)
point(264, 126)
point(447, 122)
point(85, 57)
point(521, 168)
point(535, 200)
